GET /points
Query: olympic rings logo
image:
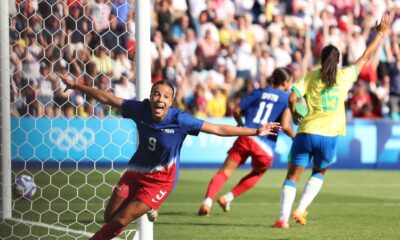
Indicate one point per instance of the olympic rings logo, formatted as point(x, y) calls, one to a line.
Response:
point(72, 138)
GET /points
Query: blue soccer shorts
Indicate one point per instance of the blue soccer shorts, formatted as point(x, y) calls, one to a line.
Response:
point(310, 147)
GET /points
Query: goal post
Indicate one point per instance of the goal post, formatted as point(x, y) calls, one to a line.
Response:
point(143, 65)
point(6, 206)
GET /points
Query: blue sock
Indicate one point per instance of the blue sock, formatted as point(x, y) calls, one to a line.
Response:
point(289, 183)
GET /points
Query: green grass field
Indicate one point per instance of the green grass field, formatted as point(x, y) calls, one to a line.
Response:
point(351, 205)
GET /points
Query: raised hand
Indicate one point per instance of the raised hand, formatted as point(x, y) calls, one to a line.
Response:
point(385, 23)
point(68, 83)
point(271, 128)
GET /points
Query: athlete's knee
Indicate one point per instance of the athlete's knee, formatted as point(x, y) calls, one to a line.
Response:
point(259, 171)
point(228, 168)
point(294, 173)
point(319, 171)
point(120, 222)
point(124, 219)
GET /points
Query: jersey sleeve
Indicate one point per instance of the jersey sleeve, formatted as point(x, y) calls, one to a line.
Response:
point(300, 87)
point(190, 124)
point(350, 74)
point(131, 108)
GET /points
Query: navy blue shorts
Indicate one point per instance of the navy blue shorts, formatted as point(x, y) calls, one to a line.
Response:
point(310, 147)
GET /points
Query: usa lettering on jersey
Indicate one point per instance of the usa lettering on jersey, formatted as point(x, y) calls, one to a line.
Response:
point(169, 131)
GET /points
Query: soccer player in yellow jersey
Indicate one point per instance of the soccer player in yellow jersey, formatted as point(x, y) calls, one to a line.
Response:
point(325, 90)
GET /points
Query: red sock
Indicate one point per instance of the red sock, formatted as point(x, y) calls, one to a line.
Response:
point(108, 231)
point(216, 184)
point(246, 183)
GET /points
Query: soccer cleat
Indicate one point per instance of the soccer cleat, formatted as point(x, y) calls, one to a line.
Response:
point(226, 206)
point(204, 210)
point(152, 215)
point(300, 217)
point(281, 224)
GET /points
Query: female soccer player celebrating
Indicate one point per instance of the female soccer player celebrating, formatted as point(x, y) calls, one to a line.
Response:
point(262, 105)
point(325, 90)
point(151, 171)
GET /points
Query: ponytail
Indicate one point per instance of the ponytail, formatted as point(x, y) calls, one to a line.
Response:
point(329, 60)
point(279, 76)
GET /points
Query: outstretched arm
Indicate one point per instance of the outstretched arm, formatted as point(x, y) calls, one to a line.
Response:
point(99, 95)
point(271, 128)
point(372, 47)
point(237, 115)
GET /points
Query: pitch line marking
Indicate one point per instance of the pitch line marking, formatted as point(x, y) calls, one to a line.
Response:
point(277, 204)
point(61, 229)
point(57, 228)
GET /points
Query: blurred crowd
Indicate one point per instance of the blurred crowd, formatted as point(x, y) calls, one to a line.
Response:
point(213, 51)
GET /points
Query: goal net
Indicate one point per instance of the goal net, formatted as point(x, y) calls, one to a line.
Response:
point(73, 147)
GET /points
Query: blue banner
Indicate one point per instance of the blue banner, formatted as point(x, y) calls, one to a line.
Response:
point(367, 145)
point(108, 139)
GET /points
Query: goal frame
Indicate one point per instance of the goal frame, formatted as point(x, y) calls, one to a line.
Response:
point(143, 64)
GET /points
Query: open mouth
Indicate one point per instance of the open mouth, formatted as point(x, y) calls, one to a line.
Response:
point(159, 107)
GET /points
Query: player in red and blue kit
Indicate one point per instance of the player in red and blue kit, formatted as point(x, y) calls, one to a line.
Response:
point(151, 171)
point(260, 106)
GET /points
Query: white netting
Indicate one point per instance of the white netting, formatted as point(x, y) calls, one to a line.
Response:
point(67, 142)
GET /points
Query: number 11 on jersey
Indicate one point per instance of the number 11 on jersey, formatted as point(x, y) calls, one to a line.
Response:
point(262, 116)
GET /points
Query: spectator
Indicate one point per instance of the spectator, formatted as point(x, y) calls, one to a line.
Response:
point(266, 64)
point(121, 9)
point(357, 43)
point(46, 88)
point(394, 74)
point(52, 29)
point(31, 55)
point(60, 96)
point(281, 53)
point(164, 19)
point(198, 106)
point(185, 50)
point(360, 98)
point(207, 26)
point(125, 88)
point(78, 25)
point(179, 29)
point(196, 7)
point(121, 65)
point(180, 7)
point(276, 31)
point(100, 14)
point(115, 38)
point(243, 57)
point(158, 48)
point(243, 31)
point(103, 61)
point(216, 106)
point(80, 107)
point(207, 50)
point(171, 71)
point(224, 11)
point(18, 101)
point(243, 6)
point(226, 35)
